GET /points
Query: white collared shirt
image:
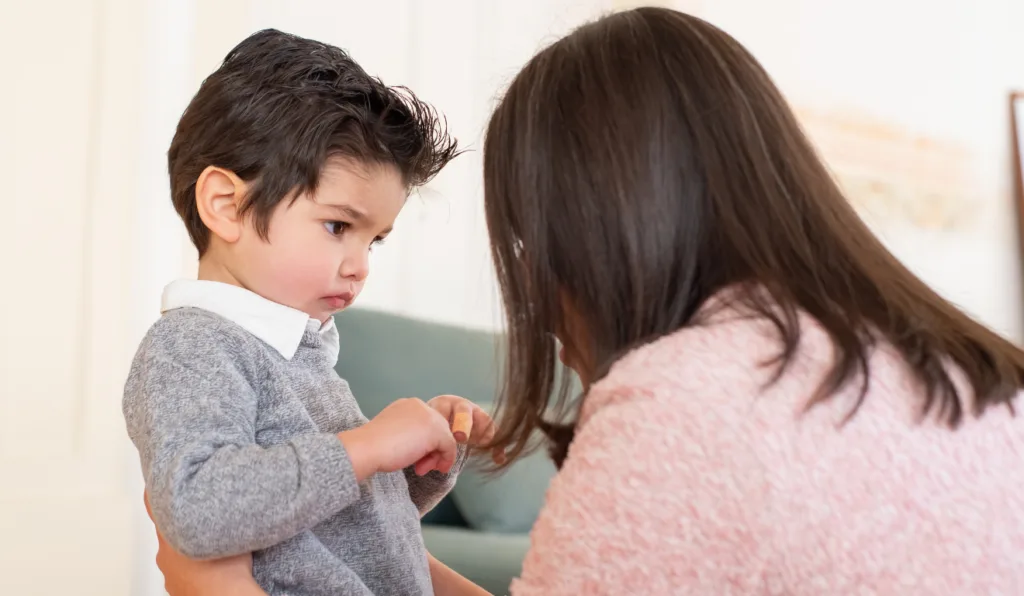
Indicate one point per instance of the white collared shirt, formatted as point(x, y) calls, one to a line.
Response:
point(279, 326)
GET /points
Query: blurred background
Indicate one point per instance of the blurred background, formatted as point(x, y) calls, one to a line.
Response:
point(908, 101)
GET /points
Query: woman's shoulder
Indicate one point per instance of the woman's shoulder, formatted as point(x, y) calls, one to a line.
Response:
point(727, 366)
point(729, 353)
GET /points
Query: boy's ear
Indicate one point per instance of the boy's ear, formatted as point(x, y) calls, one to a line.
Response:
point(219, 195)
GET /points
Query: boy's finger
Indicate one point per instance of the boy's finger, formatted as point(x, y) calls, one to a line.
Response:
point(462, 422)
point(445, 464)
point(425, 465)
point(447, 453)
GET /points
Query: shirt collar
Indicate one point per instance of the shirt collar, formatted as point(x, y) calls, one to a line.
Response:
point(279, 326)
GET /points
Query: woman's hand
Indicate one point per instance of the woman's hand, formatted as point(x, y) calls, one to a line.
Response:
point(469, 423)
point(187, 577)
point(447, 582)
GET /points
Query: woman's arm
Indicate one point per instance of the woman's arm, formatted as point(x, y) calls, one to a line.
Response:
point(188, 577)
point(447, 582)
point(233, 576)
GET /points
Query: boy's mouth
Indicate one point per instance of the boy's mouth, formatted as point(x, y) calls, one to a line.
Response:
point(339, 301)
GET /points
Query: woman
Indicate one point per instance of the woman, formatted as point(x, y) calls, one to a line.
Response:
point(773, 404)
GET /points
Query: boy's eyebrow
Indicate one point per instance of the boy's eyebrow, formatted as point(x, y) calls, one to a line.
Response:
point(354, 214)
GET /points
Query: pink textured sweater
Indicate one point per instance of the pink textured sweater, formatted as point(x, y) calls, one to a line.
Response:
point(689, 476)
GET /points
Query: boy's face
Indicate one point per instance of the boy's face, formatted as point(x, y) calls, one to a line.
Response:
point(317, 256)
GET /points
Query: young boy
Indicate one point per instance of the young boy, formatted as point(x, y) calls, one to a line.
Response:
point(288, 165)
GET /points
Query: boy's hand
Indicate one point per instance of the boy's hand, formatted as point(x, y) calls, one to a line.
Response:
point(405, 433)
point(470, 424)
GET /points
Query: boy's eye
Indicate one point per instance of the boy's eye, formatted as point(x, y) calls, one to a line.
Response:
point(377, 242)
point(335, 228)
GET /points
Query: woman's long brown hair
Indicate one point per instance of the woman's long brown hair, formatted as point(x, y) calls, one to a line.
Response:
point(645, 162)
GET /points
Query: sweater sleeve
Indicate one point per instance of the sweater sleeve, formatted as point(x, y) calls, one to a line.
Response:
point(213, 491)
point(427, 491)
point(642, 505)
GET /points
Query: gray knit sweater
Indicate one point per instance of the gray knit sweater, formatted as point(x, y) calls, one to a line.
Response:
point(240, 454)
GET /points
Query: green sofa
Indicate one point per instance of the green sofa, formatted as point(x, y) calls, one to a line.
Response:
point(481, 529)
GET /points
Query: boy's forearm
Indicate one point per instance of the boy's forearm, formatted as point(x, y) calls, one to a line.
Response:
point(447, 582)
point(238, 499)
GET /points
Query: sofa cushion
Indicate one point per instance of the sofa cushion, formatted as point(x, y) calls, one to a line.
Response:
point(508, 503)
point(491, 561)
point(385, 357)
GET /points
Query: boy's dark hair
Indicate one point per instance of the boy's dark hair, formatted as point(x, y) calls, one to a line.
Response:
point(278, 107)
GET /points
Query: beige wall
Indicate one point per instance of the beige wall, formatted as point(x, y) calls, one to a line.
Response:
point(68, 163)
point(908, 103)
point(928, 89)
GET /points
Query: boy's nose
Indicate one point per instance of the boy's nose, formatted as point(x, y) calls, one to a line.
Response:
point(356, 267)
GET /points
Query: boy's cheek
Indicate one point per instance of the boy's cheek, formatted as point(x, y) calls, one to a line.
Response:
point(358, 289)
